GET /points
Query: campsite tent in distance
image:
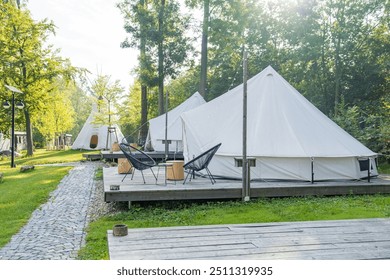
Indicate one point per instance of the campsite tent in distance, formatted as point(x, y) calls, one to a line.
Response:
point(156, 133)
point(94, 136)
point(286, 135)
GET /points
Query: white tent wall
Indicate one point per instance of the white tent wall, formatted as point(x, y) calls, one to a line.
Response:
point(156, 133)
point(94, 136)
point(284, 132)
point(269, 168)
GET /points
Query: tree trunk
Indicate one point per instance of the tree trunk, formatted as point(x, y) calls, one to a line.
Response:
point(337, 78)
point(203, 61)
point(338, 63)
point(144, 89)
point(144, 112)
point(28, 133)
point(161, 59)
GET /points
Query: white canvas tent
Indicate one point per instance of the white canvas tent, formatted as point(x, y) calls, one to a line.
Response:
point(4, 143)
point(20, 141)
point(156, 134)
point(94, 136)
point(286, 134)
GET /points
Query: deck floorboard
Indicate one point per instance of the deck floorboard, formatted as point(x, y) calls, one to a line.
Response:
point(333, 240)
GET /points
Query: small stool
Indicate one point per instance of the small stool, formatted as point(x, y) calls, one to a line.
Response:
point(177, 173)
point(165, 165)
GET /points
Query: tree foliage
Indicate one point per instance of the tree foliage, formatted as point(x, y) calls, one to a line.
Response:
point(27, 63)
point(107, 94)
point(58, 117)
point(336, 53)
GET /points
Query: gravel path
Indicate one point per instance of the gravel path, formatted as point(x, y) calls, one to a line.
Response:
point(56, 230)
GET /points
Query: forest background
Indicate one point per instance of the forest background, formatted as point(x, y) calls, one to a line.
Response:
point(335, 53)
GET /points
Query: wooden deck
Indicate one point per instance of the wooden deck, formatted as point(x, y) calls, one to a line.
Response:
point(201, 188)
point(322, 240)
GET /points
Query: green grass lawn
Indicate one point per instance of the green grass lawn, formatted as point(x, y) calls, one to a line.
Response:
point(42, 156)
point(234, 212)
point(22, 193)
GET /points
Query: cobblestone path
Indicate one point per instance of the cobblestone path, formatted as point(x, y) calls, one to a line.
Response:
point(56, 230)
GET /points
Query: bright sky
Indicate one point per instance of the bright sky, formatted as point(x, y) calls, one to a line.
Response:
point(89, 33)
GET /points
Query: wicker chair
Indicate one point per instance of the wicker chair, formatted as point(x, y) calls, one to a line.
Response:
point(137, 163)
point(201, 162)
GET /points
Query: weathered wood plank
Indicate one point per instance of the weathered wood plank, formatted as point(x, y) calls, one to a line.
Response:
point(262, 244)
point(350, 239)
point(305, 252)
point(319, 232)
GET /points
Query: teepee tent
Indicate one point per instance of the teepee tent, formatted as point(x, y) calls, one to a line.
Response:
point(156, 134)
point(287, 136)
point(94, 136)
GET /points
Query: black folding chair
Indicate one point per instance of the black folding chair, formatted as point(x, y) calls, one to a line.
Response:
point(201, 162)
point(140, 164)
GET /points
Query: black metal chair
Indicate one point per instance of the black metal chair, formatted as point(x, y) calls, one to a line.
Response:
point(201, 162)
point(141, 163)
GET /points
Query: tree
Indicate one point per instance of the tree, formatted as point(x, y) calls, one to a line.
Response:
point(170, 42)
point(129, 112)
point(58, 115)
point(26, 63)
point(107, 95)
point(202, 88)
point(81, 103)
point(158, 30)
point(137, 23)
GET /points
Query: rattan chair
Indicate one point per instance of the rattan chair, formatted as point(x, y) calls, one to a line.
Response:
point(201, 162)
point(140, 164)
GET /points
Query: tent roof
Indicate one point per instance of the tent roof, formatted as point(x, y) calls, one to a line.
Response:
point(281, 123)
point(157, 125)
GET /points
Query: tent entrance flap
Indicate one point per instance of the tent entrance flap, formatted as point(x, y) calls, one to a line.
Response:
point(94, 141)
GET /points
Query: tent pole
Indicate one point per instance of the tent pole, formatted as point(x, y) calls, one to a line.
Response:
point(166, 134)
point(245, 180)
point(312, 170)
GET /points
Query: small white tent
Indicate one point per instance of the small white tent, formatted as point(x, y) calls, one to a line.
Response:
point(286, 135)
point(94, 136)
point(4, 143)
point(156, 133)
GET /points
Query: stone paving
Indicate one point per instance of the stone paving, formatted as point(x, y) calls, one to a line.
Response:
point(56, 230)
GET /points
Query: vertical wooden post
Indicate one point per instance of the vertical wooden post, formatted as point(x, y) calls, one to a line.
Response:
point(312, 170)
point(245, 179)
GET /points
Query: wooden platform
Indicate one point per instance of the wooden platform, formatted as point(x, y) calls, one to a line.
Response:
point(201, 188)
point(91, 157)
point(322, 240)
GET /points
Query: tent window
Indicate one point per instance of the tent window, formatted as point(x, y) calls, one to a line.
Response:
point(251, 162)
point(94, 141)
point(363, 164)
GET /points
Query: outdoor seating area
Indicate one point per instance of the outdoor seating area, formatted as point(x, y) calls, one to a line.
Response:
point(194, 130)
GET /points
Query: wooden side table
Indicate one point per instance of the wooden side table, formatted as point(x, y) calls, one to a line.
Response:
point(124, 166)
point(167, 166)
point(176, 173)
